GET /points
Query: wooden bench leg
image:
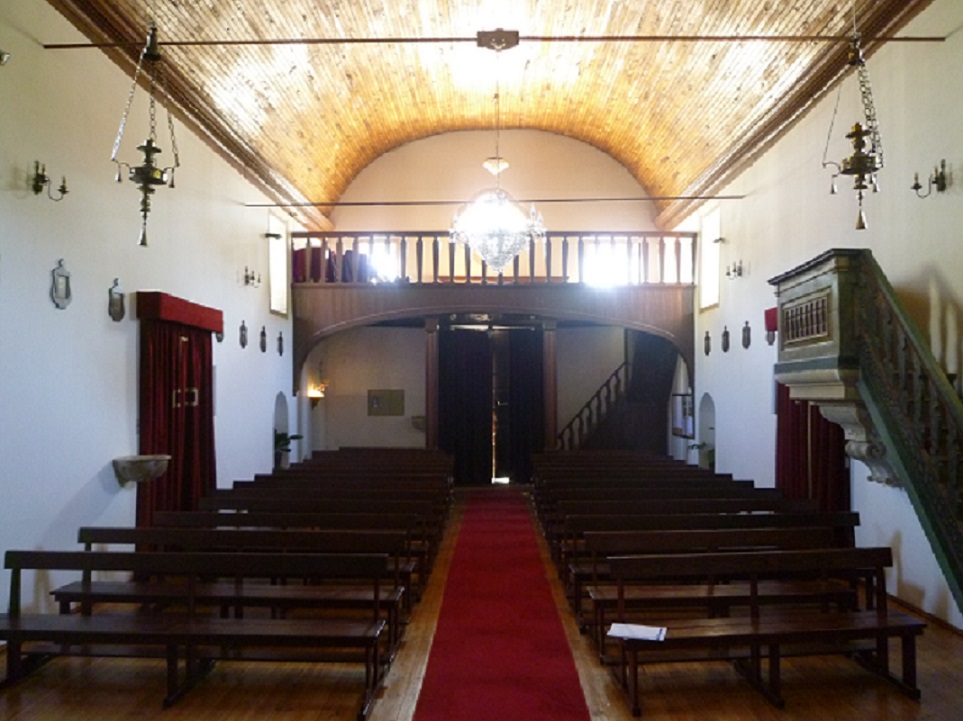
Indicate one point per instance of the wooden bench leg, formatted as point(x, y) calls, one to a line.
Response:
point(634, 683)
point(879, 664)
point(908, 649)
point(14, 662)
point(372, 678)
point(775, 676)
point(174, 689)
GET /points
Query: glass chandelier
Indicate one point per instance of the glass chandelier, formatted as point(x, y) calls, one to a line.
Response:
point(496, 228)
point(493, 224)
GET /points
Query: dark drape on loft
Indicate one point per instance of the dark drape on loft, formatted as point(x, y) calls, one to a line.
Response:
point(465, 403)
point(650, 386)
point(810, 454)
point(526, 406)
point(176, 415)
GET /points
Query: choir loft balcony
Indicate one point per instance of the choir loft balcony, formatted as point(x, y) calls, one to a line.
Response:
point(639, 280)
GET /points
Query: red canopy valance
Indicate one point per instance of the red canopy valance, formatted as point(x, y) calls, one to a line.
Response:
point(154, 305)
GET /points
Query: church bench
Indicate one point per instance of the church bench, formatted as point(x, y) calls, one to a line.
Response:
point(549, 502)
point(781, 631)
point(552, 526)
point(588, 575)
point(433, 520)
point(393, 593)
point(191, 639)
point(570, 538)
point(437, 499)
point(413, 525)
point(439, 486)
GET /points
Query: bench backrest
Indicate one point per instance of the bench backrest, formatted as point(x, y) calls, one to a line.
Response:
point(868, 562)
point(316, 505)
point(280, 519)
point(194, 566)
point(395, 543)
point(610, 543)
point(686, 506)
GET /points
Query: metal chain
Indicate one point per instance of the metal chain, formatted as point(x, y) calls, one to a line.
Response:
point(152, 134)
point(869, 110)
point(130, 100)
point(162, 75)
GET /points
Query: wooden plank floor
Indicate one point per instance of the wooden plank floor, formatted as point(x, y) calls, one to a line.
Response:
point(815, 688)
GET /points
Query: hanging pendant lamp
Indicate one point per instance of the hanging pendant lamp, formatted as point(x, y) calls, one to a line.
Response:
point(493, 224)
point(148, 175)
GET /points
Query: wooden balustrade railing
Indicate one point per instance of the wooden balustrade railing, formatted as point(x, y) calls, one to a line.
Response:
point(921, 413)
point(591, 415)
point(606, 258)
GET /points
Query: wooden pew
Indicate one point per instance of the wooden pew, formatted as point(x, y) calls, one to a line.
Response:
point(747, 640)
point(573, 527)
point(569, 546)
point(438, 499)
point(591, 574)
point(433, 519)
point(412, 525)
point(548, 502)
point(393, 593)
point(191, 639)
point(553, 525)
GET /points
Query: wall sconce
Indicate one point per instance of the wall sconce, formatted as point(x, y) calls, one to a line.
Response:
point(41, 179)
point(4, 57)
point(936, 180)
point(251, 278)
point(734, 271)
point(316, 393)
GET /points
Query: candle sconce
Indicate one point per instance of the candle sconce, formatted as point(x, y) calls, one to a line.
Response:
point(41, 180)
point(734, 271)
point(937, 180)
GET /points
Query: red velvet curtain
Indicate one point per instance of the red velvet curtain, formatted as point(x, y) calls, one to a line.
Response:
point(810, 454)
point(176, 415)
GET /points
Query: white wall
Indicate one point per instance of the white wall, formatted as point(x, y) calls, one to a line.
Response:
point(448, 167)
point(586, 357)
point(360, 360)
point(788, 217)
point(68, 378)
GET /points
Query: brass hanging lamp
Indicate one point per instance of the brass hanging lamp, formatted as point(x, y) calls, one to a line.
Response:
point(148, 175)
point(867, 157)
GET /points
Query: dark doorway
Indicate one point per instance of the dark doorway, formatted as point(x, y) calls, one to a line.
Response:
point(490, 407)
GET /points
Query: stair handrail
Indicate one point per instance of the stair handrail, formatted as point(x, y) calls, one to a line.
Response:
point(590, 416)
point(921, 414)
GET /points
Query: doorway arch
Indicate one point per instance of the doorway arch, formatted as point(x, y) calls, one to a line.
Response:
point(282, 438)
point(707, 432)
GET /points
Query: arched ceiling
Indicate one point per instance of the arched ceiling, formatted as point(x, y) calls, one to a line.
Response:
point(305, 93)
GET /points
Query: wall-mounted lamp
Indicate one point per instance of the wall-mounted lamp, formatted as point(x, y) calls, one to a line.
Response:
point(316, 393)
point(4, 57)
point(734, 271)
point(251, 278)
point(41, 179)
point(936, 180)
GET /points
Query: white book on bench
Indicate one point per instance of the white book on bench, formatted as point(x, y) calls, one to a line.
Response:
point(637, 631)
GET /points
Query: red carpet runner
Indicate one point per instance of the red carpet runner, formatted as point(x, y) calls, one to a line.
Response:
point(500, 652)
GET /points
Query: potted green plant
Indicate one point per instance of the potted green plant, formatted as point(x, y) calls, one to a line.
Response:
point(282, 446)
